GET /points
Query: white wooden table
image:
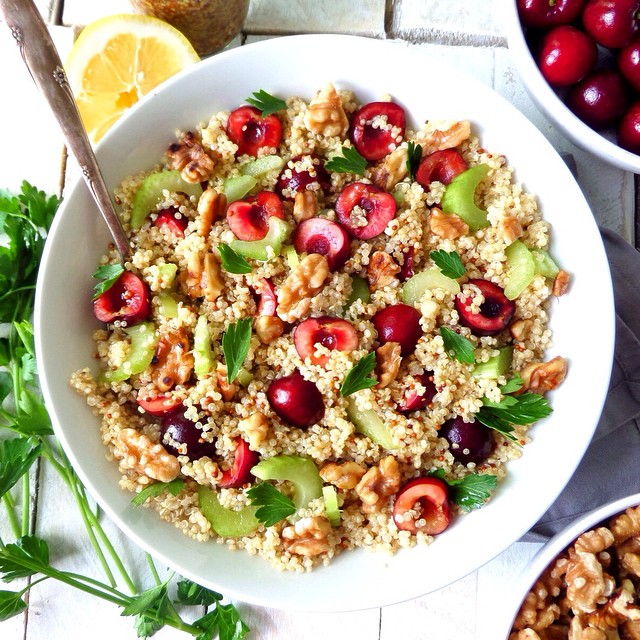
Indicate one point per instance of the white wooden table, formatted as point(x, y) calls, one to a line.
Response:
point(469, 35)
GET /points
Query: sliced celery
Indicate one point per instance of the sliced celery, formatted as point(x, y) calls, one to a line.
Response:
point(331, 507)
point(202, 354)
point(521, 269)
point(301, 472)
point(167, 305)
point(143, 346)
point(238, 187)
point(414, 288)
point(168, 272)
point(261, 166)
point(267, 248)
point(244, 377)
point(227, 523)
point(359, 291)
point(291, 256)
point(545, 264)
point(459, 197)
point(369, 423)
point(150, 192)
point(495, 366)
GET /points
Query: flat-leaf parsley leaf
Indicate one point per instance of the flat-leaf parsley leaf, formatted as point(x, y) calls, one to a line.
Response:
point(108, 274)
point(232, 261)
point(357, 377)
point(471, 491)
point(449, 263)
point(414, 155)
point(235, 346)
point(273, 505)
point(349, 162)
point(457, 346)
point(266, 103)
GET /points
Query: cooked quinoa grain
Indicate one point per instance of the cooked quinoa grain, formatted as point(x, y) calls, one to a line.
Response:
point(346, 277)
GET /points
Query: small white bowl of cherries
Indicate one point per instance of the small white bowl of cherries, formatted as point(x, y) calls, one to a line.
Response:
point(580, 61)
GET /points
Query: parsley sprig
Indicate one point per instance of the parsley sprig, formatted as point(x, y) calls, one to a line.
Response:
point(108, 274)
point(357, 377)
point(26, 437)
point(414, 155)
point(272, 504)
point(232, 261)
point(235, 346)
point(471, 491)
point(266, 103)
point(458, 346)
point(349, 162)
point(449, 263)
point(157, 489)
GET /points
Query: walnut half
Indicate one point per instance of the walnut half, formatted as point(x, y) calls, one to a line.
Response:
point(140, 454)
point(308, 536)
point(189, 157)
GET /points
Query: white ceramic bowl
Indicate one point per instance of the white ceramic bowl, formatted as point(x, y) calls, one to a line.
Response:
point(551, 549)
point(300, 65)
point(552, 106)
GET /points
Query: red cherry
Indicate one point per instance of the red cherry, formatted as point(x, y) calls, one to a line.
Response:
point(268, 301)
point(495, 312)
point(468, 441)
point(629, 129)
point(600, 99)
point(332, 333)
point(544, 14)
point(413, 401)
point(173, 220)
point(296, 400)
point(127, 300)
point(406, 270)
point(244, 460)
point(422, 505)
point(160, 405)
point(399, 323)
point(319, 235)
point(377, 129)
point(302, 173)
point(629, 63)
point(364, 210)
point(441, 166)
point(611, 23)
point(251, 131)
point(566, 56)
point(249, 218)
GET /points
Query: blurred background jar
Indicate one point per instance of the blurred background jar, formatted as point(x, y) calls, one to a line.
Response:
point(208, 24)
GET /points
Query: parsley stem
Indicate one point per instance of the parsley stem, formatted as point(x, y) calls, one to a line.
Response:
point(11, 514)
point(26, 503)
point(154, 571)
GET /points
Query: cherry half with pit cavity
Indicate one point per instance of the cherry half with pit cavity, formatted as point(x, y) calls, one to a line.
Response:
point(171, 219)
point(377, 129)
point(494, 314)
point(240, 472)
point(303, 173)
point(319, 235)
point(252, 131)
point(127, 300)
point(249, 218)
point(364, 210)
point(422, 505)
point(440, 166)
point(332, 333)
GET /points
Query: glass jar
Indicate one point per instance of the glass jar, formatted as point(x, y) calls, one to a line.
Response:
point(208, 24)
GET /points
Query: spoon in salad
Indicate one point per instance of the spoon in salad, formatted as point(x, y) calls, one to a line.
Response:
point(43, 62)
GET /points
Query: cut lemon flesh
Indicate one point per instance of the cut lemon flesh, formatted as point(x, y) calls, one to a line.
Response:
point(118, 59)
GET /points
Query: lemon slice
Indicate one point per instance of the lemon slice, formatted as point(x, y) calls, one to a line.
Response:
point(118, 59)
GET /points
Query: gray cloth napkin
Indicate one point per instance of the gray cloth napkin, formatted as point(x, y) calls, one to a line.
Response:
point(609, 468)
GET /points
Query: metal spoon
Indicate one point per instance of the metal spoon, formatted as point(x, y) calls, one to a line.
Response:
point(43, 62)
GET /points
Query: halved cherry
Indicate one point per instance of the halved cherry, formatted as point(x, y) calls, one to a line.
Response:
point(422, 505)
point(332, 333)
point(413, 400)
point(302, 173)
point(127, 300)
point(268, 299)
point(240, 472)
point(160, 405)
point(319, 235)
point(406, 270)
point(251, 131)
point(170, 218)
point(495, 312)
point(441, 166)
point(249, 218)
point(377, 129)
point(399, 323)
point(364, 210)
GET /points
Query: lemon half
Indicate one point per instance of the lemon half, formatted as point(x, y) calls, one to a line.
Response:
point(118, 59)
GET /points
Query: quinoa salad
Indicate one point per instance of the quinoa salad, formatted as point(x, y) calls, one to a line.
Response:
point(331, 331)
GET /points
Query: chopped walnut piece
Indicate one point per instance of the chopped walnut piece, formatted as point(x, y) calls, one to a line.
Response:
point(308, 536)
point(256, 428)
point(202, 277)
point(213, 282)
point(302, 284)
point(228, 391)
point(626, 525)
point(189, 157)
point(561, 284)
point(388, 360)
point(211, 207)
point(585, 582)
point(540, 377)
point(448, 226)
point(305, 205)
point(594, 541)
point(391, 170)
point(630, 630)
point(344, 476)
point(521, 329)
point(446, 136)
point(268, 328)
point(620, 607)
point(381, 270)
point(510, 229)
point(139, 453)
point(378, 483)
point(580, 630)
point(325, 114)
point(172, 363)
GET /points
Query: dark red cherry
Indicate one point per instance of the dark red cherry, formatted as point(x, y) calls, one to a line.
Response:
point(173, 220)
point(303, 173)
point(127, 300)
point(441, 166)
point(600, 99)
point(377, 129)
point(319, 235)
point(364, 210)
point(495, 312)
point(243, 461)
point(611, 23)
point(544, 14)
point(296, 400)
point(251, 131)
point(566, 56)
point(468, 441)
point(399, 323)
point(176, 427)
point(629, 129)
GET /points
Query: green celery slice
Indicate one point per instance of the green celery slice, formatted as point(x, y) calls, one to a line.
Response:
point(359, 291)
point(168, 272)
point(260, 167)
point(244, 377)
point(143, 346)
point(301, 472)
point(545, 264)
point(150, 192)
point(227, 523)
point(291, 256)
point(459, 197)
point(269, 247)
point(521, 269)
point(331, 507)
point(202, 354)
point(369, 423)
point(167, 305)
point(495, 366)
point(238, 187)
point(414, 288)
